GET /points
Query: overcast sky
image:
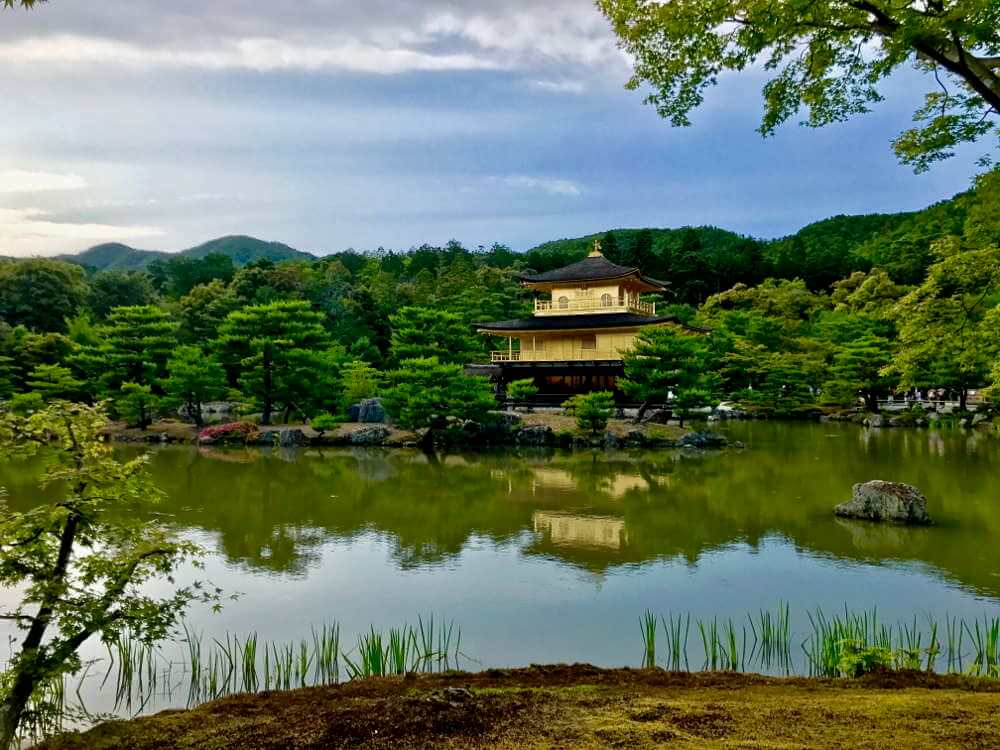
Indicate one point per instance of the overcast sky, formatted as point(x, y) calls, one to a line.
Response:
point(329, 124)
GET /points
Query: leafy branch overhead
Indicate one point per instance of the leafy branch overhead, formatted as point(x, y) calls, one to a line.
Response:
point(828, 57)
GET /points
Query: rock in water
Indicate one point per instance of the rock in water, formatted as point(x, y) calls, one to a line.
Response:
point(886, 501)
point(703, 440)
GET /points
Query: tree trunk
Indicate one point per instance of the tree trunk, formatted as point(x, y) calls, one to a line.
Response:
point(642, 412)
point(265, 417)
point(12, 709)
point(963, 398)
point(871, 401)
point(194, 410)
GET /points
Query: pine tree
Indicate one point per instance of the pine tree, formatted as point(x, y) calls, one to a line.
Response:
point(421, 332)
point(193, 379)
point(267, 345)
point(139, 340)
point(54, 381)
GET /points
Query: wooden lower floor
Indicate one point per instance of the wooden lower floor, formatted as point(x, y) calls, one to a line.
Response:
point(556, 381)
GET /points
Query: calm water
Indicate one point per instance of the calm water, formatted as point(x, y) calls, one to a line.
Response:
point(547, 556)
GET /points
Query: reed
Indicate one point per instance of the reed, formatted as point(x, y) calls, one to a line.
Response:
point(647, 626)
point(986, 642)
point(677, 640)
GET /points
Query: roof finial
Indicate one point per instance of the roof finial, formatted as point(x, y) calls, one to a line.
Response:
point(596, 252)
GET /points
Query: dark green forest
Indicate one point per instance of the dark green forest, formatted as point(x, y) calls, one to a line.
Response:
point(840, 313)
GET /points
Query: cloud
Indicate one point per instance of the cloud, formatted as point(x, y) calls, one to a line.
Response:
point(258, 54)
point(543, 184)
point(560, 87)
point(22, 181)
point(28, 231)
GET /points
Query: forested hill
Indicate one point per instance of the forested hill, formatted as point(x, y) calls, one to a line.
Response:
point(698, 261)
point(238, 248)
point(705, 260)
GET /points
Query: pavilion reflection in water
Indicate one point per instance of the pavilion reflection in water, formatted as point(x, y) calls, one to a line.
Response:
point(580, 530)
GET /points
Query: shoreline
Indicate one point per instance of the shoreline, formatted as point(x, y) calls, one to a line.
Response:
point(579, 706)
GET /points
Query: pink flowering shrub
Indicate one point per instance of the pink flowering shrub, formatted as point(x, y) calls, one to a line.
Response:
point(237, 433)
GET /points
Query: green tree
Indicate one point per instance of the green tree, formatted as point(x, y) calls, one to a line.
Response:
point(138, 342)
point(857, 370)
point(112, 289)
point(80, 565)
point(193, 378)
point(946, 335)
point(827, 56)
point(202, 310)
point(40, 294)
point(421, 332)
point(269, 345)
point(358, 381)
point(665, 362)
point(54, 382)
point(592, 410)
point(423, 391)
point(137, 404)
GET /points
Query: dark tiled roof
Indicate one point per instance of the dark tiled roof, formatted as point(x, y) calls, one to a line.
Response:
point(565, 322)
point(591, 268)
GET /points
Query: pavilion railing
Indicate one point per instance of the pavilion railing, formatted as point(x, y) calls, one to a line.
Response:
point(549, 307)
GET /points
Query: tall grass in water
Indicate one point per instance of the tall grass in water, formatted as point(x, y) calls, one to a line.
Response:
point(647, 626)
point(677, 640)
point(986, 642)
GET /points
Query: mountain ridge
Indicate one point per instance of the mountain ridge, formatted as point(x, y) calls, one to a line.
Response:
point(241, 248)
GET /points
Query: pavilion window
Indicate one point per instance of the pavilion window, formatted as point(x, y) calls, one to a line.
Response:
point(564, 303)
point(605, 300)
point(588, 342)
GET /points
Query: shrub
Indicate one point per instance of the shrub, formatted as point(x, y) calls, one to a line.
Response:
point(520, 390)
point(234, 433)
point(324, 422)
point(592, 410)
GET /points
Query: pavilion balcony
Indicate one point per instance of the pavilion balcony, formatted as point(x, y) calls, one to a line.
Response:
point(576, 354)
point(609, 305)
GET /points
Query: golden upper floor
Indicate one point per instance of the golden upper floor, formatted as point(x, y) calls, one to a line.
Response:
point(593, 285)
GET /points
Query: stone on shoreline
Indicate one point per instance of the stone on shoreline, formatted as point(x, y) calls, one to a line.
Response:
point(703, 440)
point(878, 500)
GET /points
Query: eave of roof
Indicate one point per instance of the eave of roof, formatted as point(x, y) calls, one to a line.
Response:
point(574, 322)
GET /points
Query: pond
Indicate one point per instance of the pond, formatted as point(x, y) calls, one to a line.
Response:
point(554, 556)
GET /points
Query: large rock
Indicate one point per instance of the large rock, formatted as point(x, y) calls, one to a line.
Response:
point(370, 410)
point(886, 501)
point(877, 420)
point(374, 435)
point(534, 435)
point(703, 440)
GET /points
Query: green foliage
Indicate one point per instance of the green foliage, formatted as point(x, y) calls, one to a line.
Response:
point(137, 405)
point(667, 362)
point(277, 350)
point(358, 381)
point(193, 379)
point(857, 370)
point(826, 57)
point(947, 332)
point(420, 332)
point(521, 390)
point(425, 391)
point(80, 571)
point(40, 294)
point(24, 404)
point(592, 410)
point(54, 382)
point(138, 342)
point(112, 289)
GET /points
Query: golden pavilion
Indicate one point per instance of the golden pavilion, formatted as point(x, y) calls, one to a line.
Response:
point(586, 316)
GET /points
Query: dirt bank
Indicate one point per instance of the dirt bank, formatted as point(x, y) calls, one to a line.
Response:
point(582, 707)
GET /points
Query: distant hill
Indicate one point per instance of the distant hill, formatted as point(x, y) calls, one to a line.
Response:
point(114, 256)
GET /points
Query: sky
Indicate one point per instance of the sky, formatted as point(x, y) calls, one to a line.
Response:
point(333, 124)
